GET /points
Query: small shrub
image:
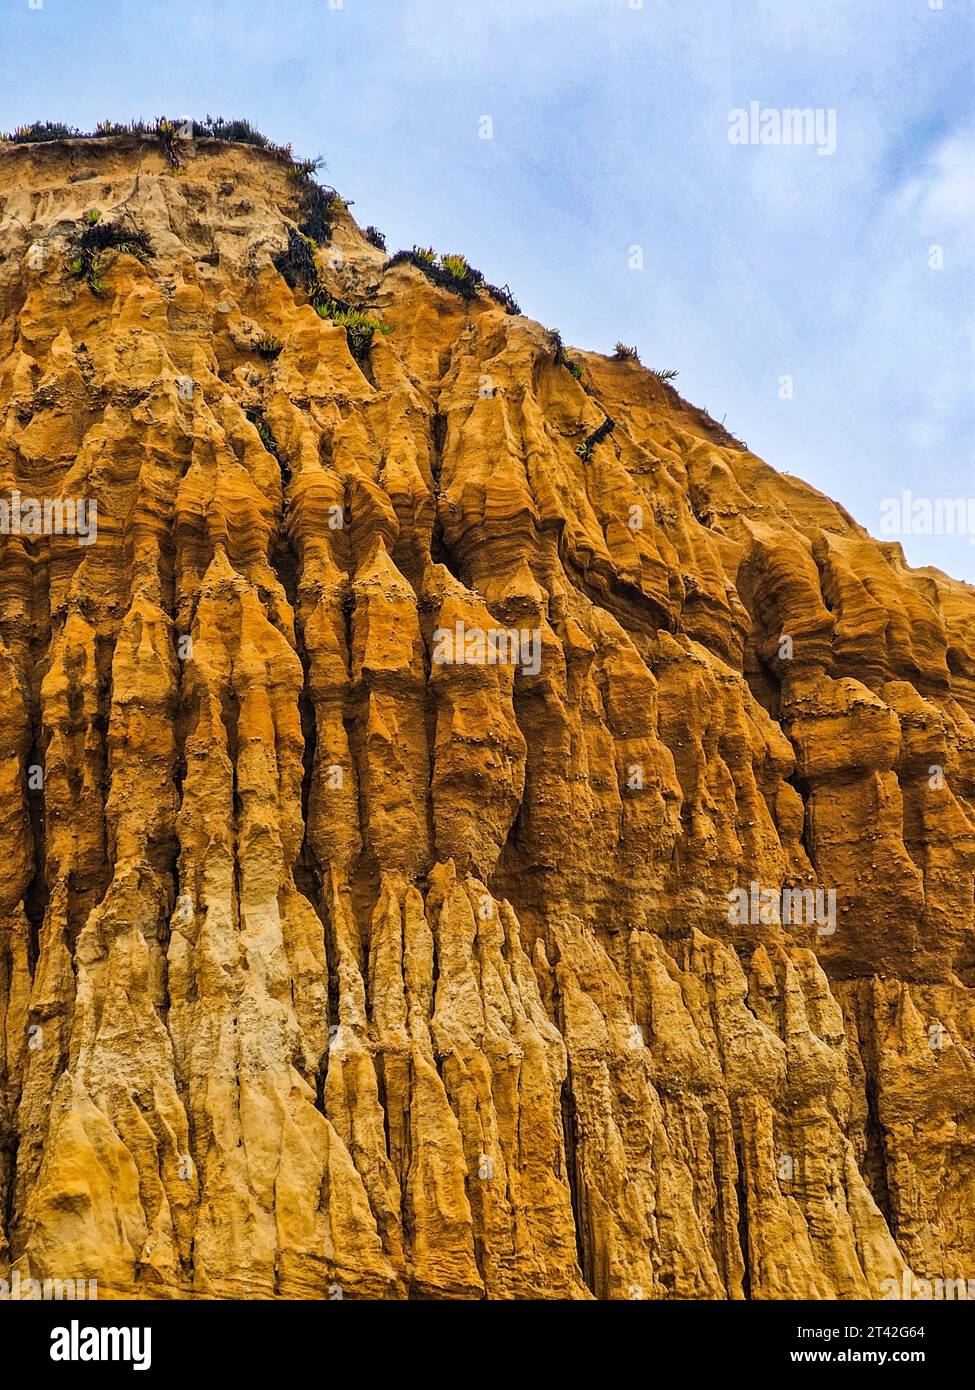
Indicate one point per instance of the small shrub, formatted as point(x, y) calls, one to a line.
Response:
point(297, 262)
point(375, 237)
point(263, 430)
point(99, 237)
point(304, 168)
point(562, 358)
point(166, 131)
point(455, 266)
point(90, 218)
point(321, 300)
point(114, 236)
point(461, 276)
point(268, 346)
point(626, 354)
point(318, 206)
point(298, 266)
point(359, 327)
point(39, 131)
point(504, 297)
point(670, 374)
point(238, 131)
point(453, 272)
point(585, 449)
point(104, 128)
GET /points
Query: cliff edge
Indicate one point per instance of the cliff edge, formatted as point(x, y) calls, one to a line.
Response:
point(472, 828)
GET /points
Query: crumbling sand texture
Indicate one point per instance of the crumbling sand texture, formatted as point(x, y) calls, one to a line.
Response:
point(329, 969)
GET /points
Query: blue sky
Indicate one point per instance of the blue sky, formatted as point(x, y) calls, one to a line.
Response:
point(610, 131)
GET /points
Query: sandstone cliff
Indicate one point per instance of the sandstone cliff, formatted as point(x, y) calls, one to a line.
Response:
point(328, 967)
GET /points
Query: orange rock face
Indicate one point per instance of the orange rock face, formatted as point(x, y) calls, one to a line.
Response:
point(438, 862)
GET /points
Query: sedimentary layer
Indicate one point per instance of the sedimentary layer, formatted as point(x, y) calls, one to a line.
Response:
point(332, 964)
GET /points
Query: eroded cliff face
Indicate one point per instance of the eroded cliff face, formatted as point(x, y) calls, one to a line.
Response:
point(331, 965)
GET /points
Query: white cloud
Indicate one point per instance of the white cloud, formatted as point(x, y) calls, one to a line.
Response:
point(942, 197)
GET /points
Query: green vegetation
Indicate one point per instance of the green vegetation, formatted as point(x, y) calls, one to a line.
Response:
point(585, 449)
point(454, 272)
point(115, 128)
point(269, 442)
point(166, 130)
point(99, 237)
point(298, 266)
point(318, 206)
point(213, 128)
point(359, 326)
point(264, 431)
point(169, 131)
point(40, 131)
point(304, 168)
point(297, 263)
point(670, 374)
point(375, 237)
point(465, 277)
point(268, 346)
point(562, 358)
point(626, 354)
point(237, 131)
point(504, 297)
